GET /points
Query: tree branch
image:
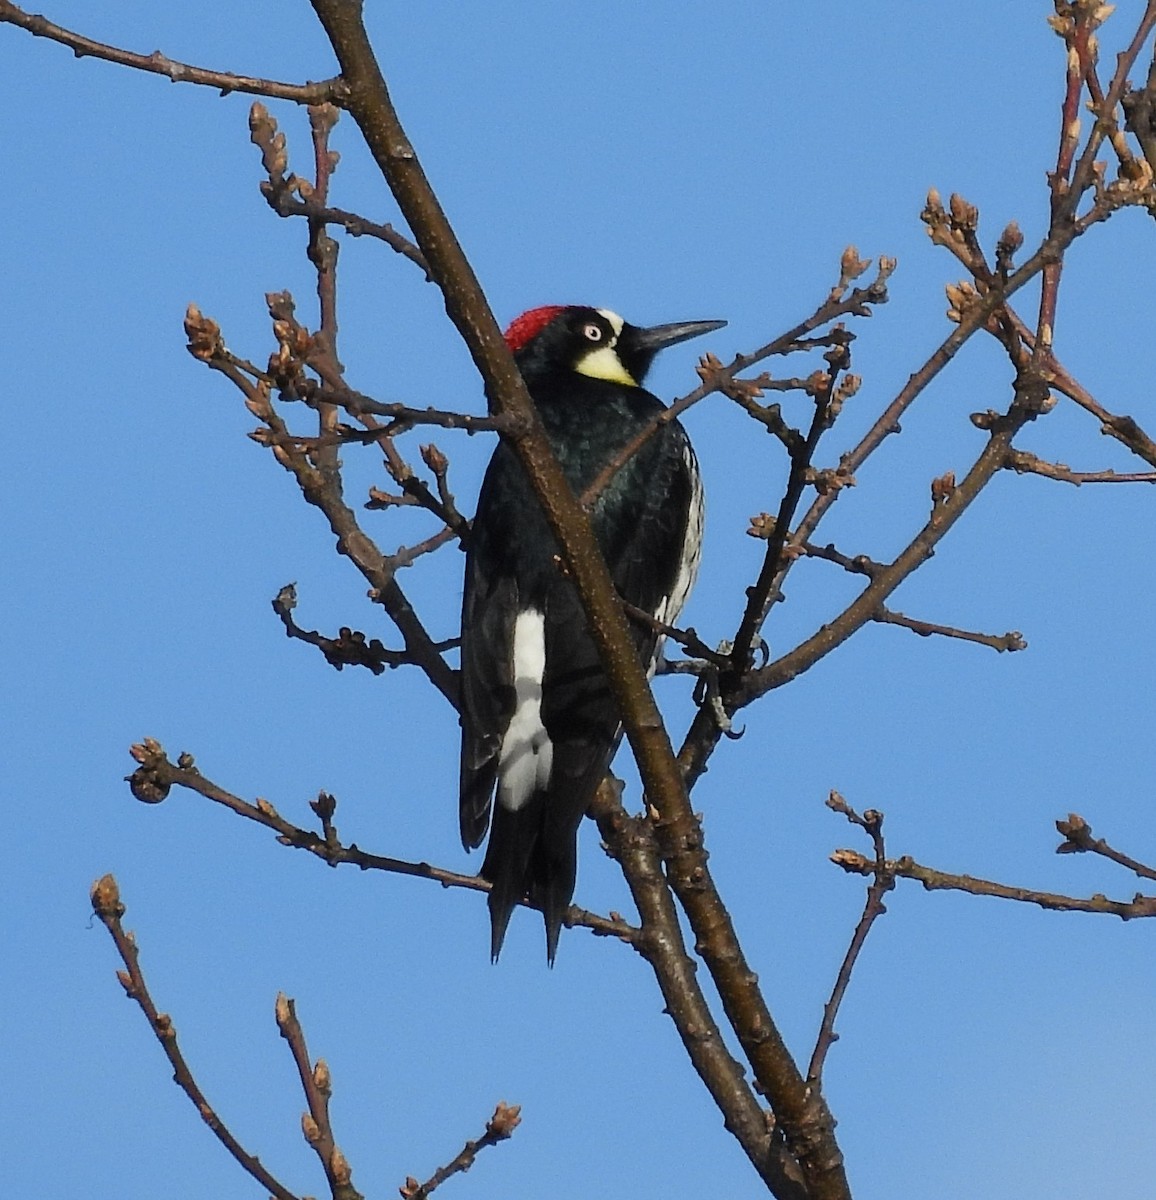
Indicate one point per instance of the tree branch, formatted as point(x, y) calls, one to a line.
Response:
point(106, 903)
point(156, 776)
point(1002, 642)
point(294, 197)
point(759, 596)
point(632, 843)
point(717, 378)
point(1024, 463)
point(331, 90)
point(350, 648)
point(499, 1127)
point(1078, 839)
point(319, 488)
point(872, 822)
point(932, 880)
point(982, 309)
point(808, 1127)
point(317, 1086)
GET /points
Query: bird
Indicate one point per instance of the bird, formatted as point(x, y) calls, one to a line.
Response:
point(539, 723)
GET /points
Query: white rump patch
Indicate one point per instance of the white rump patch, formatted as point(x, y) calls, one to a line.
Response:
point(527, 754)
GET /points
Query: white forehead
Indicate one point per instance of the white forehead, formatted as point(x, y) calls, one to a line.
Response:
point(615, 321)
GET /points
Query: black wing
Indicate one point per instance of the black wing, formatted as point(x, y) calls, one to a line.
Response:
point(652, 537)
point(489, 608)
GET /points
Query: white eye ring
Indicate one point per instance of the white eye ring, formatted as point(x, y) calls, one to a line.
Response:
point(592, 332)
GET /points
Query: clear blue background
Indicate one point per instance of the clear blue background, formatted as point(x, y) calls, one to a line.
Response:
point(672, 162)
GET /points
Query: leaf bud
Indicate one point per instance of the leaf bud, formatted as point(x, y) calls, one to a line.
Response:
point(105, 896)
point(339, 1168)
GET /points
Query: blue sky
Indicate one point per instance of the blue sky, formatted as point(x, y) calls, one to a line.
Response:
point(706, 161)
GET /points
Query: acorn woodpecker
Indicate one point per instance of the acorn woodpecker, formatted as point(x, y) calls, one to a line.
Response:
point(538, 718)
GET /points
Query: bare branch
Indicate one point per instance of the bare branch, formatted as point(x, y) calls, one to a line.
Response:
point(290, 196)
point(1006, 324)
point(406, 556)
point(1123, 428)
point(285, 204)
point(802, 1115)
point(331, 90)
point(715, 377)
point(873, 908)
point(319, 488)
point(318, 1088)
point(1002, 642)
point(1078, 839)
point(688, 639)
point(499, 1127)
point(1022, 462)
point(704, 733)
point(106, 903)
point(932, 880)
point(760, 595)
point(350, 648)
point(404, 416)
point(152, 781)
point(860, 564)
point(632, 843)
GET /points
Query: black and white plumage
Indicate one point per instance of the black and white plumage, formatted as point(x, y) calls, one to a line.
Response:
point(539, 722)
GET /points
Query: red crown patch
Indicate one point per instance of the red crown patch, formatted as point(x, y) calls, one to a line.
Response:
point(524, 329)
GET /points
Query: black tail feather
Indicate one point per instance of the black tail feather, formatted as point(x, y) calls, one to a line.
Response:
point(533, 858)
point(513, 837)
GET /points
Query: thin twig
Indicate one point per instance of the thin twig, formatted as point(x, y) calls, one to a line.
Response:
point(933, 880)
point(1025, 463)
point(499, 1127)
point(1077, 33)
point(406, 556)
point(107, 905)
point(359, 405)
point(1116, 135)
point(290, 196)
point(1002, 642)
point(716, 377)
point(152, 781)
point(759, 596)
point(872, 822)
point(178, 72)
point(439, 465)
point(688, 639)
point(350, 648)
point(207, 345)
point(285, 204)
point(318, 1087)
point(860, 564)
point(1078, 839)
point(347, 435)
point(321, 348)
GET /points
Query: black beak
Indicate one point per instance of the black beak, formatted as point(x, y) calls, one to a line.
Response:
point(658, 337)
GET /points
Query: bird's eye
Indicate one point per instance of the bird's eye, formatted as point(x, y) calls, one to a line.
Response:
point(592, 332)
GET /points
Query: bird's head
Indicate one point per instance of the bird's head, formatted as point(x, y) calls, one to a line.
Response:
point(593, 341)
